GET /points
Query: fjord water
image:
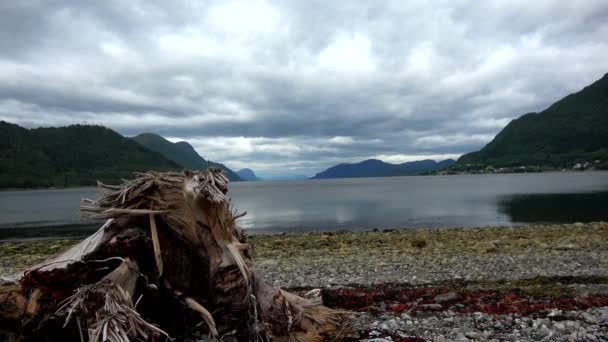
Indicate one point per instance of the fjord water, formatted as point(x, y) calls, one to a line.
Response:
point(357, 203)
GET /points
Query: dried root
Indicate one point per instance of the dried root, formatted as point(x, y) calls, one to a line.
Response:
point(108, 310)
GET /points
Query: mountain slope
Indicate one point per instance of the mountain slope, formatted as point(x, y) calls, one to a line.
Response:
point(572, 130)
point(71, 156)
point(181, 153)
point(247, 175)
point(378, 168)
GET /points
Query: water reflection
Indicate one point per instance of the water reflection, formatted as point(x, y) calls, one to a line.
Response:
point(363, 203)
point(555, 208)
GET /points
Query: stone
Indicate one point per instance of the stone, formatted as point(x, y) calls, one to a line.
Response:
point(479, 316)
point(461, 338)
point(589, 318)
point(473, 335)
point(554, 312)
point(434, 307)
point(447, 297)
point(566, 247)
point(392, 325)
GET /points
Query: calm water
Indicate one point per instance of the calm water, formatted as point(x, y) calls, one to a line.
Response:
point(363, 203)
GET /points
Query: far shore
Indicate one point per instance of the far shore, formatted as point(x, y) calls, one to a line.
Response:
point(311, 178)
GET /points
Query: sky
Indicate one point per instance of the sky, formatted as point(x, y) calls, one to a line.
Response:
point(293, 87)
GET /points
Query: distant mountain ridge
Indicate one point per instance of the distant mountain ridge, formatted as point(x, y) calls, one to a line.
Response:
point(181, 153)
point(247, 174)
point(76, 155)
point(572, 130)
point(378, 168)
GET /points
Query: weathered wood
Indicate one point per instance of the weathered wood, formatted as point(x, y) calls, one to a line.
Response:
point(169, 259)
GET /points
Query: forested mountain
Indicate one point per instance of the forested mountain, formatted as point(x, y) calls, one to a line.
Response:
point(181, 153)
point(76, 155)
point(378, 168)
point(571, 131)
point(247, 174)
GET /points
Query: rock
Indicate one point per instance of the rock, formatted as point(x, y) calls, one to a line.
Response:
point(506, 337)
point(431, 307)
point(473, 335)
point(446, 297)
point(590, 337)
point(461, 338)
point(566, 247)
point(589, 318)
point(479, 316)
point(392, 325)
point(554, 313)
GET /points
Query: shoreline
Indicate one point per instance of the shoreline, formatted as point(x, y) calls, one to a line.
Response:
point(389, 250)
point(88, 228)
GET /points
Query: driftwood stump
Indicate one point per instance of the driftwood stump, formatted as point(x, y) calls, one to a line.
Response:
point(169, 263)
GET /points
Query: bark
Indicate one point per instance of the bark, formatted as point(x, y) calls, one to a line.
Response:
point(170, 261)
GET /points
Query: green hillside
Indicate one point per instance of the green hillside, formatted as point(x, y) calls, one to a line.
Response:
point(181, 153)
point(572, 130)
point(76, 155)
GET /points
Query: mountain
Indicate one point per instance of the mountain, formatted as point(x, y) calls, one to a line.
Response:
point(181, 153)
point(247, 175)
point(378, 168)
point(572, 130)
point(76, 155)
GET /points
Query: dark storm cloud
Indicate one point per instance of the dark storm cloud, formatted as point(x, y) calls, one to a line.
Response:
point(296, 86)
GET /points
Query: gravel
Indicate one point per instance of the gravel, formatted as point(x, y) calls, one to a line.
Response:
point(321, 260)
point(587, 325)
point(423, 257)
point(422, 269)
point(494, 254)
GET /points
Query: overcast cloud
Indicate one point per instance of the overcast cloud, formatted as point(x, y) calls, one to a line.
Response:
point(288, 87)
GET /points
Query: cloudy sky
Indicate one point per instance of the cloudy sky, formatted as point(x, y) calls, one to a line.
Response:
point(292, 87)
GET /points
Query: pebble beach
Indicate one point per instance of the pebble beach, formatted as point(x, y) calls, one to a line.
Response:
point(528, 283)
